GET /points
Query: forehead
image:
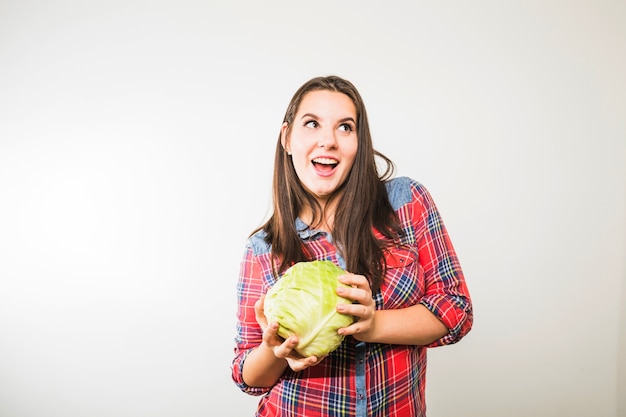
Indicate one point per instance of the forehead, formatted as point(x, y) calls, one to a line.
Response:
point(327, 103)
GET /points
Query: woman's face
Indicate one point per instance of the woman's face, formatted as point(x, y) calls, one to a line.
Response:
point(323, 141)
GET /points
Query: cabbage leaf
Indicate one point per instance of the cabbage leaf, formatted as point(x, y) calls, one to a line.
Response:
point(303, 302)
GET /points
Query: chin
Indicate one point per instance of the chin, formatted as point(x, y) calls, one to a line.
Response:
point(324, 193)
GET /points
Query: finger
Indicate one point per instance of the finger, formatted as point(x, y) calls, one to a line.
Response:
point(262, 320)
point(360, 311)
point(354, 280)
point(272, 329)
point(298, 364)
point(355, 328)
point(363, 296)
point(259, 312)
point(259, 304)
point(286, 348)
point(270, 334)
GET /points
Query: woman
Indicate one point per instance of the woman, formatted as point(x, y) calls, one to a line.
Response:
point(330, 202)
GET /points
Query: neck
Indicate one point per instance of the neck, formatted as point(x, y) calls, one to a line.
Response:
point(324, 222)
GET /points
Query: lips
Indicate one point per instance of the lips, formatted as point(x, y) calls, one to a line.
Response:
point(326, 161)
point(324, 165)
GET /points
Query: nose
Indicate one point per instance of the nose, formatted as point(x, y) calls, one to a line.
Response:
point(327, 139)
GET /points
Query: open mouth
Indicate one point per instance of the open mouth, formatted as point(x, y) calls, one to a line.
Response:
point(325, 164)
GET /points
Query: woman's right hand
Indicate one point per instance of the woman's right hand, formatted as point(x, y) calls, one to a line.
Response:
point(282, 348)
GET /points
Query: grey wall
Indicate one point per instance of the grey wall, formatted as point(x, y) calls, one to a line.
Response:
point(136, 146)
point(621, 356)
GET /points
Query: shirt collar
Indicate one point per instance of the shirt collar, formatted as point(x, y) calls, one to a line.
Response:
point(304, 231)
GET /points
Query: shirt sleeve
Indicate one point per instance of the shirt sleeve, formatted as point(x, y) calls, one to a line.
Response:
point(248, 332)
point(446, 294)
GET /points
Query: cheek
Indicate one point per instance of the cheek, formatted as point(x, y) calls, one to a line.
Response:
point(352, 151)
point(300, 145)
point(299, 162)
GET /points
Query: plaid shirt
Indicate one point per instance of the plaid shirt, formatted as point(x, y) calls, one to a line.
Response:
point(364, 379)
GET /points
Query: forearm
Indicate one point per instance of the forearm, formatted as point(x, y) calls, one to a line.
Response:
point(414, 325)
point(262, 368)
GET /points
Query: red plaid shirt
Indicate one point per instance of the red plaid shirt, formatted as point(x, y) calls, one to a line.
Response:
point(364, 379)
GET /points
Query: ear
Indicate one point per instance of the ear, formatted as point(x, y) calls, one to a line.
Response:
point(284, 139)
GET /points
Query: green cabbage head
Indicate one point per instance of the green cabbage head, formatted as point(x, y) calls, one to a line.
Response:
point(303, 302)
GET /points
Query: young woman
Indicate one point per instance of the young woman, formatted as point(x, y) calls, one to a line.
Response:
point(330, 202)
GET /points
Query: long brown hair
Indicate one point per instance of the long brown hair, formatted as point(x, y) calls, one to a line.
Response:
point(363, 203)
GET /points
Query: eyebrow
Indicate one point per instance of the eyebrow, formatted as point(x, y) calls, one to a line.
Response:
point(314, 116)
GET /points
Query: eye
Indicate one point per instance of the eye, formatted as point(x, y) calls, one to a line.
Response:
point(346, 127)
point(311, 123)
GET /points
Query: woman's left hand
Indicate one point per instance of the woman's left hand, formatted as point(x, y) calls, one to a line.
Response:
point(363, 309)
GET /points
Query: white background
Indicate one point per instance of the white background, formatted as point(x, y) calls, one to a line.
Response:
point(136, 150)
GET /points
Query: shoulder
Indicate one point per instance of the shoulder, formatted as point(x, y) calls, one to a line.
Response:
point(257, 243)
point(403, 190)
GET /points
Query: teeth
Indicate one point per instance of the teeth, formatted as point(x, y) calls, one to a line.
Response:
point(325, 161)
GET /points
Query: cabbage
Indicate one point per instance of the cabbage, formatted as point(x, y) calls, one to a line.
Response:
point(303, 302)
